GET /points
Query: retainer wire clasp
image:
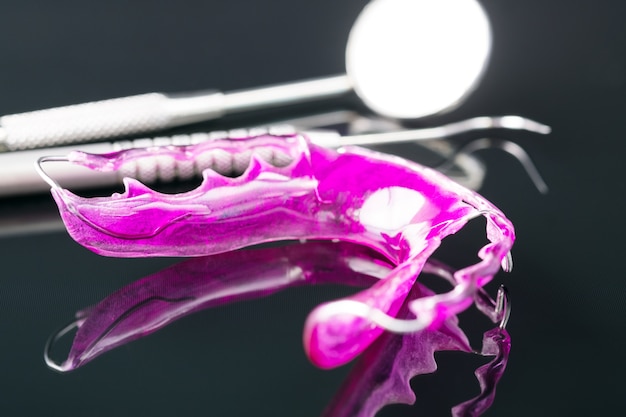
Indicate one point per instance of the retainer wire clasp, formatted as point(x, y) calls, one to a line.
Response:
point(52, 364)
point(43, 174)
point(503, 306)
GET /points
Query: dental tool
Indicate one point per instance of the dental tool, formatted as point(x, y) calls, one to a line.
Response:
point(404, 58)
point(155, 169)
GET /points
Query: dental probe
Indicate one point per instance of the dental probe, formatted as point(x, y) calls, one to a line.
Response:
point(404, 59)
point(17, 176)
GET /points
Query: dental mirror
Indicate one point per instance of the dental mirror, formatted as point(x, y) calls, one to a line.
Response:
point(404, 58)
point(414, 58)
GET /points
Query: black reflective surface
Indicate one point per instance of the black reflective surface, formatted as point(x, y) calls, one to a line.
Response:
point(562, 63)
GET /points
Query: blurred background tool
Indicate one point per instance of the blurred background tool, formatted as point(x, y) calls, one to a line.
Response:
point(404, 58)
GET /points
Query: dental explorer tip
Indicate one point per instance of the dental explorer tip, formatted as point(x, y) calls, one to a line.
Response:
point(522, 123)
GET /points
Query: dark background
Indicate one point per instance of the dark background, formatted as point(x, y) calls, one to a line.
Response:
point(559, 62)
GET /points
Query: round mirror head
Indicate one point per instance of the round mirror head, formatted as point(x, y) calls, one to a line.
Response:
point(414, 58)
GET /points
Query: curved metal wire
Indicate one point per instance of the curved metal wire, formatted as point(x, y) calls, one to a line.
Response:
point(55, 338)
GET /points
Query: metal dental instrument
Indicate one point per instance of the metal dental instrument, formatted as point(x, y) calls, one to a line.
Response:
point(507, 146)
point(404, 59)
point(76, 177)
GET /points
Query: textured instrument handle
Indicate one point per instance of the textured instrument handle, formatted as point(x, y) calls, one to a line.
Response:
point(86, 122)
point(151, 112)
